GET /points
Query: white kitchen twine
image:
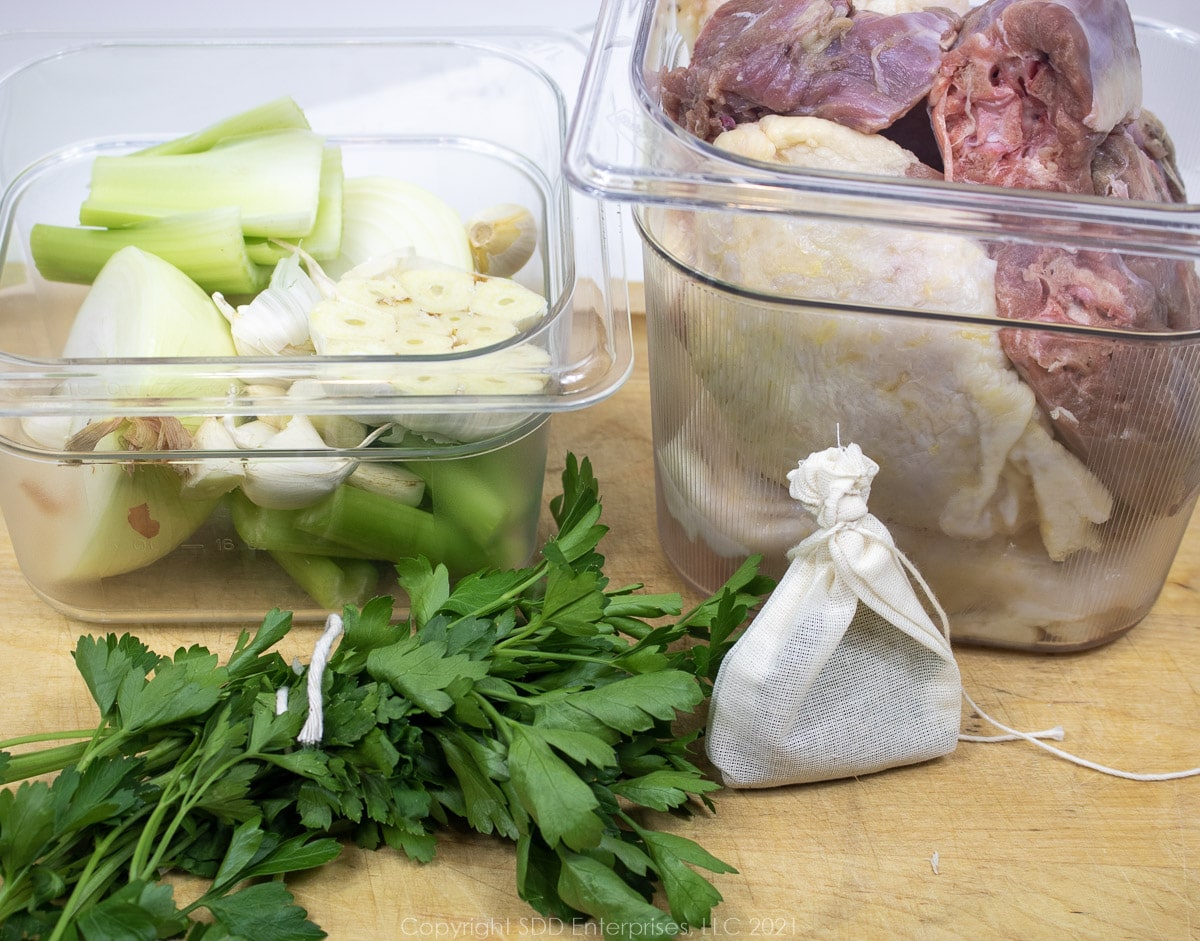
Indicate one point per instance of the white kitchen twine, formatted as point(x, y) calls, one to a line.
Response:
point(314, 725)
point(1011, 735)
point(1034, 738)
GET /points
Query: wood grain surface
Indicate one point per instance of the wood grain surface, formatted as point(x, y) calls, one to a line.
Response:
point(993, 841)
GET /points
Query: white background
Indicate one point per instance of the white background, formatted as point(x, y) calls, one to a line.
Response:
point(108, 15)
point(282, 14)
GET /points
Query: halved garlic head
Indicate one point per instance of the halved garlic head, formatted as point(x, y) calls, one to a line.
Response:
point(502, 238)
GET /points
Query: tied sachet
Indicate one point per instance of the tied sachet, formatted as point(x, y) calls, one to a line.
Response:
point(842, 672)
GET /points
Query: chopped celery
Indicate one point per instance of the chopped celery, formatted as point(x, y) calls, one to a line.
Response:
point(385, 529)
point(273, 178)
point(466, 495)
point(325, 239)
point(277, 531)
point(490, 497)
point(331, 583)
point(206, 246)
point(271, 116)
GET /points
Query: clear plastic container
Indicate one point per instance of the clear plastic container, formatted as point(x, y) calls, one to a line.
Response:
point(478, 120)
point(790, 307)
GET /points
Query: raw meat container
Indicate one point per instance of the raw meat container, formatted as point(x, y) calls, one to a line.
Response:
point(790, 308)
point(103, 534)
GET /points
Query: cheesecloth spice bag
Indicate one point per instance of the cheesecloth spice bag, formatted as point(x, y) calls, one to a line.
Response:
point(842, 672)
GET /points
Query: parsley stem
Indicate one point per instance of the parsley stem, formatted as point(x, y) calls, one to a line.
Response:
point(171, 790)
point(46, 737)
point(32, 765)
point(535, 624)
point(101, 865)
point(550, 655)
point(499, 721)
point(191, 796)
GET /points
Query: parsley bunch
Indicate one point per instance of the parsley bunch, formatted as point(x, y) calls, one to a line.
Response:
point(536, 705)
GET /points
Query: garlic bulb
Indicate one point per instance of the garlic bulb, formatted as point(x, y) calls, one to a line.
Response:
point(503, 239)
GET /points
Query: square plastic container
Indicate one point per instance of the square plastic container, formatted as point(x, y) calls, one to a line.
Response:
point(105, 535)
point(792, 307)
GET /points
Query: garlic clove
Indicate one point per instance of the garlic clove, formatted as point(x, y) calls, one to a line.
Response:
point(439, 290)
point(251, 434)
point(390, 480)
point(276, 322)
point(214, 476)
point(289, 483)
point(502, 238)
point(504, 299)
point(279, 483)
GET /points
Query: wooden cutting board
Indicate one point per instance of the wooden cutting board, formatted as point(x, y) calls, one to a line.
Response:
point(996, 841)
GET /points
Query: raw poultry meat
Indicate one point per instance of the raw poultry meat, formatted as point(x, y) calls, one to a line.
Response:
point(1032, 474)
point(824, 58)
point(938, 405)
point(1032, 88)
point(1046, 94)
point(969, 461)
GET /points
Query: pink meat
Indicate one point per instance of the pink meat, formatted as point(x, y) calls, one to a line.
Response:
point(819, 58)
point(1046, 94)
point(1032, 88)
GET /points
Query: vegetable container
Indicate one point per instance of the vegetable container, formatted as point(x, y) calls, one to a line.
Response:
point(790, 307)
point(101, 530)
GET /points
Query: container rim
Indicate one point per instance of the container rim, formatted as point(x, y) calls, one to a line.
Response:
point(577, 378)
point(848, 308)
point(622, 146)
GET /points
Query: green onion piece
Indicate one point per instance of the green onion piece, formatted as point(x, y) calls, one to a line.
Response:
point(331, 583)
point(206, 246)
point(273, 178)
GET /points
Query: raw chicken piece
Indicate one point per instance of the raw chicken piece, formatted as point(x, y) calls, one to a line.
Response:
point(965, 450)
point(863, 69)
point(1032, 88)
point(1046, 94)
point(691, 15)
point(1129, 409)
point(1137, 161)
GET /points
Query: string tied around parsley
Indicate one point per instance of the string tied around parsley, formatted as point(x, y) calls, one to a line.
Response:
point(314, 725)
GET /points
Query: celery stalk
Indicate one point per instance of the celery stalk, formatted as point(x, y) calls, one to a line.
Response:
point(277, 531)
point(331, 583)
point(480, 495)
point(274, 178)
point(382, 528)
point(272, 116)
point(206, 246)
point(325, 239)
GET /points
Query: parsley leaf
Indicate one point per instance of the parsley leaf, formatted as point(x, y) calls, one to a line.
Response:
point(532, 705)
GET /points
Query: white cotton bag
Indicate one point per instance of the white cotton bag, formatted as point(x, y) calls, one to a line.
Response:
point(843, 672)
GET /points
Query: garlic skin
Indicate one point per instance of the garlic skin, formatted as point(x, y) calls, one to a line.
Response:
point(503, 238)
point(275, 323)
